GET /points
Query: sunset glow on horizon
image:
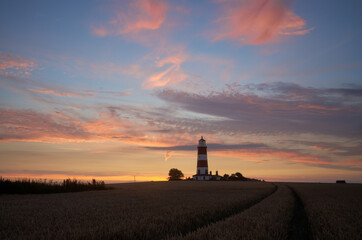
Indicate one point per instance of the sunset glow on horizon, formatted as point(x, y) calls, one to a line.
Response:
point(123, 91)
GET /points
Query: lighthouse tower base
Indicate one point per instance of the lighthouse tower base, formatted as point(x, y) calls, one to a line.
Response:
point(206, 177)
point(202, 177)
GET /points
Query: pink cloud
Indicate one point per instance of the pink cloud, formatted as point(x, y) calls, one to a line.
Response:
point(138, 15)
point(270, 154)
point(171, 75)
point(261, 155)
point(269, 108)
point(44, 92)
point(109, 126)
point(100, 31)
point(320, 148)
point(27, 125)
point(60, 93)
point(168, 155)
point(309, 106)
point(113, 93)
point(257, 21)
point(79, 93)
point(15, 64)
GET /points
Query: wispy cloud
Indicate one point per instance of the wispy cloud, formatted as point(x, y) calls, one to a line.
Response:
point(257, 21)
point(259, 152)
point(348, 148)
point(168, 155)
point(97, 152)
point(113, 93)
point(27, 125)
point(277, 108)
point(112, 125)
point(81, 94)
point(171, 75)
point(60, 93)
point(133, 17)
point(103, 70)
point(214, 146)
point(10, 63)
point(286, 72)
point(26, 85)
point(251, 109)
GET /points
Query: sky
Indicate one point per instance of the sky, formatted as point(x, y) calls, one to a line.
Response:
point(123, 90)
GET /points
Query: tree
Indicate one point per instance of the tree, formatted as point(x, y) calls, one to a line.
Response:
point(239, 175)
point(232, 177)
point(175, 174)
point(226, 176)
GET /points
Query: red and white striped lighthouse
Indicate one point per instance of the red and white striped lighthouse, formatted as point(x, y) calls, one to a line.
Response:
point(202, 166)
point(202, 171)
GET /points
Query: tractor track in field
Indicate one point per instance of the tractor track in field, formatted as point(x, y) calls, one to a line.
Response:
point(299, 226)
point(237, 211)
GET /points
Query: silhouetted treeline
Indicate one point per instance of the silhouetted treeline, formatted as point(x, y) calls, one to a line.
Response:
point(31, 186)
point(233, 177)
point(238, 177)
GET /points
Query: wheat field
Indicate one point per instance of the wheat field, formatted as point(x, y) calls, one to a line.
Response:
point(334, 210)
point(130, 211)
point(185, 210)
point(267, 220)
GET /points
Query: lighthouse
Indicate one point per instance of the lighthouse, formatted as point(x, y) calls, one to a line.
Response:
point(202, 171)
point(202, 167)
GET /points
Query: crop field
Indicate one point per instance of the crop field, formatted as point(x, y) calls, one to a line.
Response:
point(334, 210)
point(187, 210)
point(267, 220)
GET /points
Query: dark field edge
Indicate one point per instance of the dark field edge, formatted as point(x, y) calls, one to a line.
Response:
point(299, 226)
point(236, 210)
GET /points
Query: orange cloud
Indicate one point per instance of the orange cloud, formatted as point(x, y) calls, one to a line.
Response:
point(30, 126)
point(60, 93)
point(260, 155)
point(138, 15)
point(320, 148)
point(257, 21)
point(26, 125)
point(171, 75)
point(82, 94)
point(319, 107)
point(10, 62)
point(96, 152)
point(168, 155)
point(100, 31)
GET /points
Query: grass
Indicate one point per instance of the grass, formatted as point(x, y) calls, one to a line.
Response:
point(34, 186)
point(334, 210)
